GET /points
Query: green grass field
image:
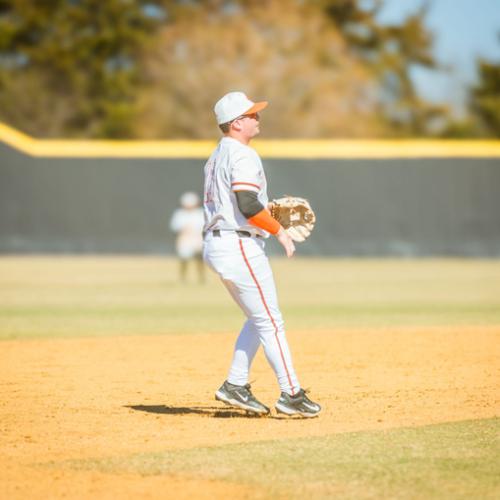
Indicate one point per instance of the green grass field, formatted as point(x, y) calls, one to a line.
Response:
point(458, 460)
point(42, 297)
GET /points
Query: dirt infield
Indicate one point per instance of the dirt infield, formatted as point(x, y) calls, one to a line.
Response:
point(91, 398)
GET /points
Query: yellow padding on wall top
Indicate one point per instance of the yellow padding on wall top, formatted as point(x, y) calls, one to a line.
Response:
point(267, 148)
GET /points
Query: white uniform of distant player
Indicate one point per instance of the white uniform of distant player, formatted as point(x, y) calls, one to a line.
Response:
point(241, 262)
point(187, 222)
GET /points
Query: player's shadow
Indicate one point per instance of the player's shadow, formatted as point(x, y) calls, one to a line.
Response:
point(207, 411)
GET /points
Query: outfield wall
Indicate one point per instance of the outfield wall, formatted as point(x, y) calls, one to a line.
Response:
point(387, 206)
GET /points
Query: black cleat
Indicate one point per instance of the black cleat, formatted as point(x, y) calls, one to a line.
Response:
point(241, 397)
point(299, 404)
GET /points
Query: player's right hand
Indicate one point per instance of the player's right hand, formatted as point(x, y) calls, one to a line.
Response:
point(286, 241)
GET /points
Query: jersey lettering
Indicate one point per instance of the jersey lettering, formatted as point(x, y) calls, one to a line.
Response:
point(209, 184)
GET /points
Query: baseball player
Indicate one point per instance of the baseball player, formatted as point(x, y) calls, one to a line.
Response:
point(187, 222)
point(237, 223)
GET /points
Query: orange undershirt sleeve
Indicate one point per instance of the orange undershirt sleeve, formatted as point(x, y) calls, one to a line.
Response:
point(265, 221)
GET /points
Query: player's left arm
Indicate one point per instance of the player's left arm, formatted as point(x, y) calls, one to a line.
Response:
point(260, 217)
point(255, 212)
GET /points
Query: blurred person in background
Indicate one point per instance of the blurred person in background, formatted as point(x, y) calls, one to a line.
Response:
point(187, 222)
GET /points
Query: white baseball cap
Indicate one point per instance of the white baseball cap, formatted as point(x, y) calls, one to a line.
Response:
point(235, 104)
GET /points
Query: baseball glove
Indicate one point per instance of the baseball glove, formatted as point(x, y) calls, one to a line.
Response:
point(295, 215)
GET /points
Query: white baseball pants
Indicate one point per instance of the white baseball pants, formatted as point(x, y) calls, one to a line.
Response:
point(245, 271)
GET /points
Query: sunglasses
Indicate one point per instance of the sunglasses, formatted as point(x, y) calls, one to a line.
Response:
point(254, 116)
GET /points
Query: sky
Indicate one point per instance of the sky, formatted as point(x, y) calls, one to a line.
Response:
point(463, 31)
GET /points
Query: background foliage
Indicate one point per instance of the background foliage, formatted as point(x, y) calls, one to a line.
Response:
point(153, 69)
